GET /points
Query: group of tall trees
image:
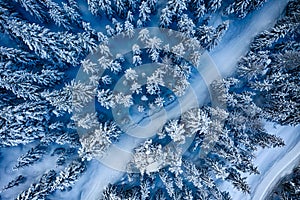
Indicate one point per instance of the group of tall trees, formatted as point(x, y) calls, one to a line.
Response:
point(49, 37)
point(224, 142)
point(268, 89)
point(272, 68)
point(31, 68)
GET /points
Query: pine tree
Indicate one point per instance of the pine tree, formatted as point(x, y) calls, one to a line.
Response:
point(41, 189)
point(165, 18)
point(15, 182)
point(106, 98)
point(148, 157)
point(32, 156)
point(199, 8)
point(72, 11)
point(16, 56)
point(24, 83)
point(24, 123)
point(57, 14)
point(95, 143)
point(73, 96)
point(253, 65)
point(240, 8)
point(175, 131)
point(128, 29)
point(186, 26)
point(121, 7)
point(35, 8)
point(280, 89)
point(144, 12)
point(136, 59)
point(87, 121)
point(177, 6)
point(70, 175)
point(214, 5)
point(59, 47)
point(97, 7)
point(238, 181)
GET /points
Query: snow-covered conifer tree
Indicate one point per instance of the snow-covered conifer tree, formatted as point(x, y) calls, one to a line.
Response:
point(165, 18)
point(241, 8)
point(144, 12)
point(128, 29)
point(23, 123)
point(33, 155)
point(72, 97)
point(148, 157)
point(199, 8)
point(89, 67)
point(72, 11)
point(214, 5)
point(253, 65)
point(15, 182)
point(58, 15)
point(35, 8)
point(144, 35)
point(97, 7)
point(238, 181)
point(153, 47)
point(186, 26)
point(87, 121)
point(61, 46)
point(177, 6)
point(70, 175)
point(39, 190)
point(94, 144)
point(175, 131)
point(16, 56)
point(106, 98)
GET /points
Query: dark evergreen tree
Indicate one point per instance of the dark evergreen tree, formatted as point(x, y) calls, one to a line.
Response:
point(209, 36)
point(44, 186)
point(240, 8)
point(35, 8)
point(32, 156)
point(24, 123)
point(70, 175)
point(15, 182)
point(57, 14)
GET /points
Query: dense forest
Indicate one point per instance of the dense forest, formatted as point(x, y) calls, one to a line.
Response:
point(70, 92)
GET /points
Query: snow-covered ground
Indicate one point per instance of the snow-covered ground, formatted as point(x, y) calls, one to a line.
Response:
point(273, 164)
point(234, 45)
point(283, 163)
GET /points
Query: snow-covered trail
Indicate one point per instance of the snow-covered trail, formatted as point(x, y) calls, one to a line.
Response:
point(272, 164)
point(282, 167)
point(240, 34)
point(234, 45)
